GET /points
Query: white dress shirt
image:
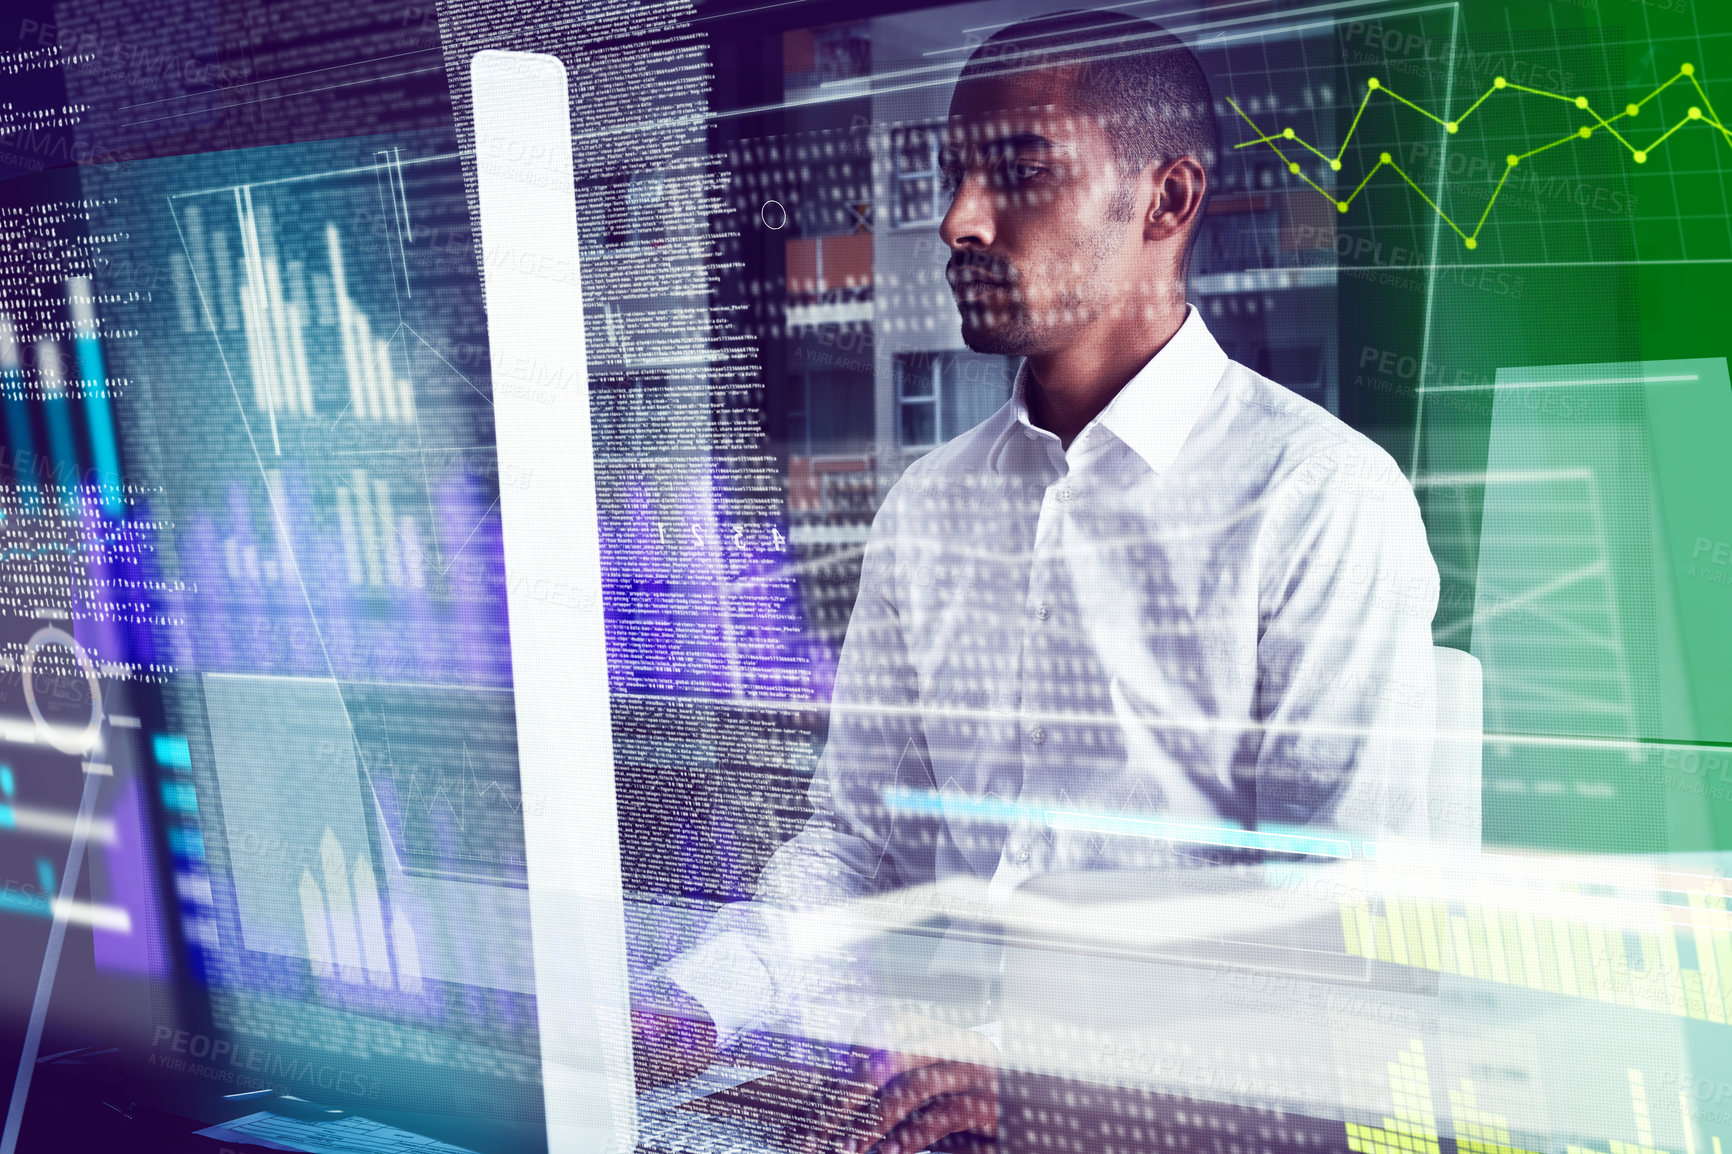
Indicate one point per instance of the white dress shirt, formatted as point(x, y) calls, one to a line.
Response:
point(1207, 622)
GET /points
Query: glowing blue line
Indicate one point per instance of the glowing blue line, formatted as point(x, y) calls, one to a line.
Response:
point(936, 804)
point(97, 412)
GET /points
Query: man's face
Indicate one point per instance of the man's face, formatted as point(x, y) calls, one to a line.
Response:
point(1044, 232)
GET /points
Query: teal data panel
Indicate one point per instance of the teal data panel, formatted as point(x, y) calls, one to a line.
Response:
point(1601, 615)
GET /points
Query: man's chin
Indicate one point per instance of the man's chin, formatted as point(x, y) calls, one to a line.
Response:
point(1002, 337)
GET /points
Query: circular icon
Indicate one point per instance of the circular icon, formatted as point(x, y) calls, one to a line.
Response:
point(774, 215)
point(85, 741)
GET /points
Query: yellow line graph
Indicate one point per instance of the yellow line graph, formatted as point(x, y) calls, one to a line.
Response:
point(1703, 113)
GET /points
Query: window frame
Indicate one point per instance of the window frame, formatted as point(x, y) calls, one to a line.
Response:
point(932, 399)
point(899, 143)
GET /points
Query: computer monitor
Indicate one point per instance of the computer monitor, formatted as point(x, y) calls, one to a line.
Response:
point(332, 769)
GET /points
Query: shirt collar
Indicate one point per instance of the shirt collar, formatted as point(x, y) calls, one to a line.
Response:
point(1157, 408)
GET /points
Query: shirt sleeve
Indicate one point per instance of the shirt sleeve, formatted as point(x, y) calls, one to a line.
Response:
point(747, 970)
point(1346, 682)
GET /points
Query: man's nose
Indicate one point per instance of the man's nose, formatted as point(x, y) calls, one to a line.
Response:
point(969, 223)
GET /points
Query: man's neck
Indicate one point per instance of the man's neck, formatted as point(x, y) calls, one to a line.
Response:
point(1067, 388)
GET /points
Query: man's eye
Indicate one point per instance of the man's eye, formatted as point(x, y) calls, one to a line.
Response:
point(1023, 171)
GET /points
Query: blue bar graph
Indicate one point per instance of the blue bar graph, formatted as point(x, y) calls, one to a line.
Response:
point(19, 434)
point(98, 413)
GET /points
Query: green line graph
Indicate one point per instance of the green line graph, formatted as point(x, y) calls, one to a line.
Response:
point(1703, 114)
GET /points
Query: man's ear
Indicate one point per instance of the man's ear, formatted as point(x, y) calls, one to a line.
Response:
point(1177, 198)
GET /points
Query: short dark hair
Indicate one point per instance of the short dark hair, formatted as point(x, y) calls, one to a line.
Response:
point(1145, 87)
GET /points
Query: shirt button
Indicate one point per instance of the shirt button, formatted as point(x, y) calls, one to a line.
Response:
point(1030, 434)
point(1021, 855)
point(1037, 735)
point(1064, 494)
point(1041, 611)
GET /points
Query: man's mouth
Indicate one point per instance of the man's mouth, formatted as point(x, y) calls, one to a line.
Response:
point(975, 284)
point(980, 290)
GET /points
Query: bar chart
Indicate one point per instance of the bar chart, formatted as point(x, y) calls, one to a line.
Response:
point(292, 311)
point(346, 925)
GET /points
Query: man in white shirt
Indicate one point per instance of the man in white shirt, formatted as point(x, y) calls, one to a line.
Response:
point(1155, 593)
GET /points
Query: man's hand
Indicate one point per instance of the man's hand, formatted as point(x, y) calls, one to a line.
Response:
point(672, 1040)
point(920, 1085)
